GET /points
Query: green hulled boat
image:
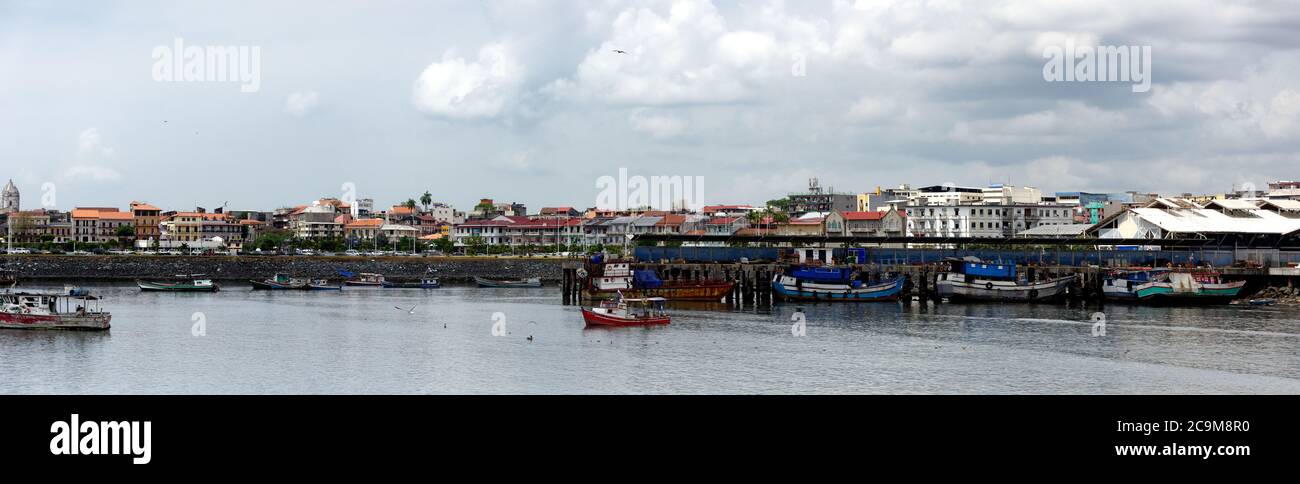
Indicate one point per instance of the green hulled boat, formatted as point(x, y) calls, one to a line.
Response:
point(183, 283)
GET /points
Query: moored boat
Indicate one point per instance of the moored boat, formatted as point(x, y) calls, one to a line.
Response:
point(280, 281)
point(425, 283)
point(183, 283)
point(1163, 286)
point(525, 282)
point(367, 280)
point(984, 281)
point(615, 279)
point(842, 287)
point(75, 310)
point(322, 285)
point(628, 312)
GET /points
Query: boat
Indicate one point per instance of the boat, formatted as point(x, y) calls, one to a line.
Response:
point(526, 282)
point(1164, 286)
point(973, 280)
point(280, 281)
point(425, 283)
point(183, 283)
point(367, 280)
point(627, 312)
point(841, 286)
point(617, 279)
point(322, 285)
point(75, 310)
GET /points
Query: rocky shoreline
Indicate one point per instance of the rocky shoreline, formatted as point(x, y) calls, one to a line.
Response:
point(1283, 295)
point(224, 268)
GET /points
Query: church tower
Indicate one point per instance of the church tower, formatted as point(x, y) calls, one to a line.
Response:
point(9, 198)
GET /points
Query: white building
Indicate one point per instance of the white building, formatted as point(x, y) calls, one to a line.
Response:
point(983, 220)
point(1010, 195)
point(1178, 218)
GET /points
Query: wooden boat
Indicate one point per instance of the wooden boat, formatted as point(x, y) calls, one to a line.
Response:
point(984, 281)
point(184, 283)
point(280, 281)
point(425, 283)
point(367, 280)
point(75, 309)
point(610, 280)
point(627, 312)
point(1163, 286)
point(796, 289)
point(322, 285)
point(528, 282)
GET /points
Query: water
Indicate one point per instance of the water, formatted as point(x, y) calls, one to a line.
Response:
point(356, 341)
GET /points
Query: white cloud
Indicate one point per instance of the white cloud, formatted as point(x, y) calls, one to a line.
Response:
point(657, 125)
point(869, 110)
point(460, 88)
point(91, 156)
point(301, 103)
point(90, 146)
point(92, 173)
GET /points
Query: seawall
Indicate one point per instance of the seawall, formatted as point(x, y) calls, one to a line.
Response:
point(226, 268)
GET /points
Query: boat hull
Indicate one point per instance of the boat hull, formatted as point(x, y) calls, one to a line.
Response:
point(1008, 291)
point(532, 282)
point(86, 322)
point(275, 286)
point(1164, 293)
point(593, 318)
point(175, 287)
point(788, 288)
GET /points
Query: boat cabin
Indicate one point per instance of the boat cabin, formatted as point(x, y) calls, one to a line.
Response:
point(45, 304)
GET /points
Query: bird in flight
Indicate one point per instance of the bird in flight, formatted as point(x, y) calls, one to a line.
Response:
point(408, 311)
point(616, 51)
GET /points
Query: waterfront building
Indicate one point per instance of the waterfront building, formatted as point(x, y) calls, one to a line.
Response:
point(199, 229)
point(521, 231)
point(946, 195)
point(983, 220)
point(998, 194)
point(363, 229)
point(1181, 218)
point(819, 200)
point(880, 199)
point(9, 198)
point(880, 223)
point(146, 218)
point(318, 220)
point(88, 228)
point(559, 212)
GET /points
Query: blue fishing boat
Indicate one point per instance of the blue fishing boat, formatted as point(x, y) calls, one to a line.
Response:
point(973, 280)
point(825, 286)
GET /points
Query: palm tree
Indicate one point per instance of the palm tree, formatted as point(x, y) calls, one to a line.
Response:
point(410, 203)
point(426, 200)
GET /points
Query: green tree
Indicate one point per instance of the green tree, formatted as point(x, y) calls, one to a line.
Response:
point(426, 200)
point(410, 203)
point(444, 245)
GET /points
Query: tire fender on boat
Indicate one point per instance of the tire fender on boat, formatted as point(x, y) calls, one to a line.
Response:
point(988, 286)
point(1033, 294)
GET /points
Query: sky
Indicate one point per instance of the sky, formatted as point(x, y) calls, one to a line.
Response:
point(527, 101)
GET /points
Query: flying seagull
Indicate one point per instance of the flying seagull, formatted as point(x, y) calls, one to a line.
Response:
point(616, 51)
point(408, 311)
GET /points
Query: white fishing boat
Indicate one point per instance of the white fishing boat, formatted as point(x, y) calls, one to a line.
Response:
point(983, 281)
point(74, 309)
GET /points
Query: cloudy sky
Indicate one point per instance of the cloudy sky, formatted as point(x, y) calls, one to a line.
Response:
point(526, 100)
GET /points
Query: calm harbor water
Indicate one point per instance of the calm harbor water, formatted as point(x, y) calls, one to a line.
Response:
point(356, 341)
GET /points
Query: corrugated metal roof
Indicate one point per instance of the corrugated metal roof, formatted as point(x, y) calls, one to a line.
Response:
point(1202, 220)
point(1055, 230)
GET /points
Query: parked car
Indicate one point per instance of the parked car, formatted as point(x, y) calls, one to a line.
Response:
point(21, 250)
point(352, 253)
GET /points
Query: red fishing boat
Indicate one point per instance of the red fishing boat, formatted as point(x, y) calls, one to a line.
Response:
point(628, 312)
